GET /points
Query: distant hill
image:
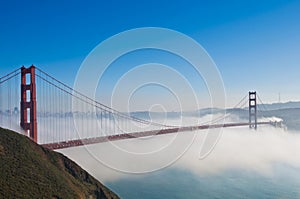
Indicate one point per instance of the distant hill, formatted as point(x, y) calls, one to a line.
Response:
point(276, 106)
point(290, 116)
point(174, 114)
point(28, 170)
point(148, 115)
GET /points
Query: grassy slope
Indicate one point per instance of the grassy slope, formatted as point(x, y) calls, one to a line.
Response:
point(27, 170)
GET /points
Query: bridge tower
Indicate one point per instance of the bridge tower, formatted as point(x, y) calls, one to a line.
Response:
point(252, 110)
point(28, 102)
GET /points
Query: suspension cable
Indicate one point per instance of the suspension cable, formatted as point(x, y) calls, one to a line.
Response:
point(94, 103)
point(263, 105)
point(8, 77)
point(240, 104)
point(10, 73)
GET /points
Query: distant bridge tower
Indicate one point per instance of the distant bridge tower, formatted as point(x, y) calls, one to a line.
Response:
point(252, 111)
point(28, 102)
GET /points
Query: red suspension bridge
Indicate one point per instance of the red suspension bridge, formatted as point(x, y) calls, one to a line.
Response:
point(44, 108)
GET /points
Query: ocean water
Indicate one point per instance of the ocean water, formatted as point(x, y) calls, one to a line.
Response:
point(283, 183)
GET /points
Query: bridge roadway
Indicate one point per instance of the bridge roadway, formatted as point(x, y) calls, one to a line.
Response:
point(86, 141)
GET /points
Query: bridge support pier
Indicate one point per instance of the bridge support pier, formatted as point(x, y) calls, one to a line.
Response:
point(252, 111)
point(28, 103)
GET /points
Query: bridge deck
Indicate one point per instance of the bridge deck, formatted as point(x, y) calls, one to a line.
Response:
point(86, 141)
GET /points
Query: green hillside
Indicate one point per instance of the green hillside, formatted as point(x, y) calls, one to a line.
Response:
point(28, 170)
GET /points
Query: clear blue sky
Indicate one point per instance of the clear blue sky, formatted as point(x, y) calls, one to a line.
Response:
point(242, 37)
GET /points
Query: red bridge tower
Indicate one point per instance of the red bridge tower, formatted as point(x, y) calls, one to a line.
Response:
point(252, 111)
point(28, 102)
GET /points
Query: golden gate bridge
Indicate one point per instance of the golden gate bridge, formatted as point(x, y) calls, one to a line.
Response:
point(43, 108)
